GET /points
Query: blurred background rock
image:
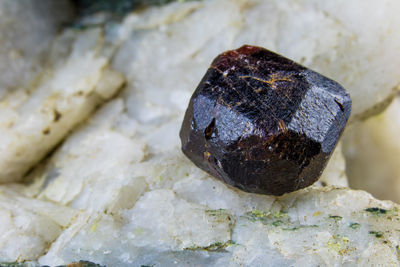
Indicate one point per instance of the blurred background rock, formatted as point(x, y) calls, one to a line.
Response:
point(372, 151)
point(27, 29)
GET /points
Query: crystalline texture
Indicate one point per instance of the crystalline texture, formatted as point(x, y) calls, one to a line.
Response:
point(263, 123)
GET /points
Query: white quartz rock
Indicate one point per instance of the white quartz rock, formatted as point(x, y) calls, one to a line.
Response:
point(33, 121)
point(28, 226)
point(315, 226)
point(74, 176)
point(159, 222)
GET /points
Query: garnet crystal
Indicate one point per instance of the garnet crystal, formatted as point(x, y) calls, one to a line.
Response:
point(263, 123)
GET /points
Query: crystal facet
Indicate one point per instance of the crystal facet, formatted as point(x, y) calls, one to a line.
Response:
point(263, 123)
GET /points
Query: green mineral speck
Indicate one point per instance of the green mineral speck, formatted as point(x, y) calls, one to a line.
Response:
point(300, 227)
point(377, 234)
point(354, 226)
point(335, 217)
point(215, 247)
point(277, 223)
point(291, 229)
point(376, 211)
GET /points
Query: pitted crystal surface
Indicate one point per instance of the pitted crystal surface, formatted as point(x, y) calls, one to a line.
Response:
point(263, 123)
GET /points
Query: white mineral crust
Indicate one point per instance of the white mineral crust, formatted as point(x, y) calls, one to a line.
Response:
point(143, 203)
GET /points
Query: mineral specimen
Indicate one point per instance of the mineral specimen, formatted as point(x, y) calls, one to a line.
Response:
point(263, 123)
point(140, 201)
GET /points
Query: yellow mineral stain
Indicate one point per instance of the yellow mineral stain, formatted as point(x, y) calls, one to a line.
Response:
point(93, 228)
point(317, 213)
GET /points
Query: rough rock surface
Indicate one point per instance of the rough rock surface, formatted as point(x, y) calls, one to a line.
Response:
point(29, 226)
point(179, 227)
point(143, 202)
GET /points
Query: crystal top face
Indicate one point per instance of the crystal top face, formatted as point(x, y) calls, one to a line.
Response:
point(263, 123)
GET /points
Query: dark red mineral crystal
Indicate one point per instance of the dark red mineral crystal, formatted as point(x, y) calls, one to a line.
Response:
point(263, 123)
